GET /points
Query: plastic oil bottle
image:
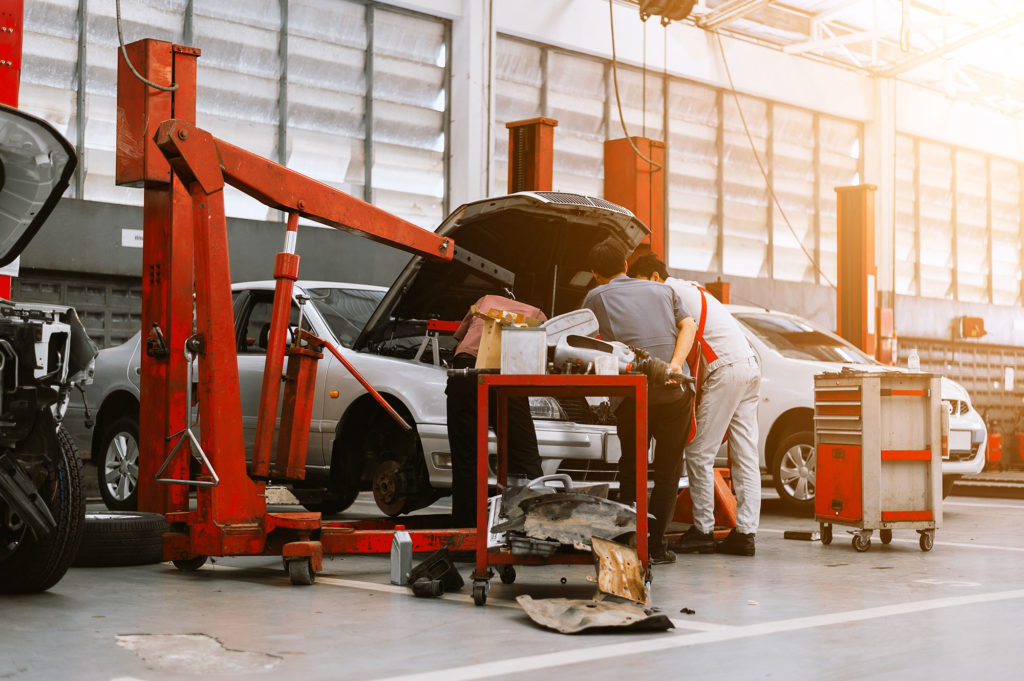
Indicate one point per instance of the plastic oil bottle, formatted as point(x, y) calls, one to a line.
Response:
point(401, 556)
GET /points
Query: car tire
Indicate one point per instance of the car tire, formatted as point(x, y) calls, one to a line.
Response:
point(117, 465)
point(947, 484)
point(36, 565)
point(793, 469)
point(333, 502)
point(117, 538)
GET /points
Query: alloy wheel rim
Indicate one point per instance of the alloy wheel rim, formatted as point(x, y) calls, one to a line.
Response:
point(121, 466)
point(796, 471)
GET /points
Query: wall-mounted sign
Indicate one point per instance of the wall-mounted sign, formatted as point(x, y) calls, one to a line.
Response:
point(131, 238)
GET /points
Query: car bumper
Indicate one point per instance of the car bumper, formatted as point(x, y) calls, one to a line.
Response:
point(966, 463)
point(558, 442)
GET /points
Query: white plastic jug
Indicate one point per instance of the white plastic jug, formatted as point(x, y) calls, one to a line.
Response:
point(401, 556)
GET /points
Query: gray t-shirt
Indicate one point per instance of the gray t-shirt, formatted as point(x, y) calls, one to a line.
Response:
point(643, 314)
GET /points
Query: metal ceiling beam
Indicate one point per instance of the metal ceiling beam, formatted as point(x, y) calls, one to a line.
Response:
point(909, 63)
point(730, 11)
point(875, 34)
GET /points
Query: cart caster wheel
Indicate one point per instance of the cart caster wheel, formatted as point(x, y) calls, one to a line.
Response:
point(861, 542)
point(885, 536)
point(927, 541)
point(826, 534)
point(480, 593)
point(508, 575)
point(300, 571)
point(190, 564)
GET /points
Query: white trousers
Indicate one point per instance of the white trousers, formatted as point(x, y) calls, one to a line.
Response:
point(728, 402)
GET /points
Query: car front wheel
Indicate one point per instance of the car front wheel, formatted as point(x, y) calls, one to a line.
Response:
point(793, 469)
point(118, 468)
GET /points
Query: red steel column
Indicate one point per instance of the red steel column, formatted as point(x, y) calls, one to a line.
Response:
point(166, 253)
point(856, 272)
point(634, 183)
point(531, 163)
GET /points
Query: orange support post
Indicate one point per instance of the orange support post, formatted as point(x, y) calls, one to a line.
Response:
point(633, 183)
point(531, 163)
point(857, 275)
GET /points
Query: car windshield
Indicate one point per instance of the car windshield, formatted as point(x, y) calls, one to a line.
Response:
point(346, 310)
point(795, 338)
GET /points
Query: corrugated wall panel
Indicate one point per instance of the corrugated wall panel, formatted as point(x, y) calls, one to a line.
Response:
point(905, 226)
point(745, 193)
point(1007, 237)
point(327, 91)
point(972, 262)
point(409, 90)
point(793, 179)
point(693, 168)
point(936, 222)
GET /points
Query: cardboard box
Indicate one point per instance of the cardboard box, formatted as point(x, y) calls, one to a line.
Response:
point(489, 355)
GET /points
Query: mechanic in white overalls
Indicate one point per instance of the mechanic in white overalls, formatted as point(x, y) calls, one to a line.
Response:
point(727, 395)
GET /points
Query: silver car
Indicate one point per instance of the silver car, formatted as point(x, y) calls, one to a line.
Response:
point(541, 237)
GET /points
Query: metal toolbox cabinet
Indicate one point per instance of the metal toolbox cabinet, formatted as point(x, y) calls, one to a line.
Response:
point(878, 440)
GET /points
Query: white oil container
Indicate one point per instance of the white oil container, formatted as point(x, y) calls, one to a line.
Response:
point(524, 350)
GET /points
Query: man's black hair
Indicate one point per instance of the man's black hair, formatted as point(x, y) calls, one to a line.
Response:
point(646, 265)
point(607, 258)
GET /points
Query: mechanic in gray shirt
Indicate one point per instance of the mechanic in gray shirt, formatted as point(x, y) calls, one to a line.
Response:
point(648, 315)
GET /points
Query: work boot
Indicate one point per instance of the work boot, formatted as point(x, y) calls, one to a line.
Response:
point(737, 544)
point(663, 557)
point(695, 541)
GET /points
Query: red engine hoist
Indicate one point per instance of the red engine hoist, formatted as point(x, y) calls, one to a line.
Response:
point(185, 248)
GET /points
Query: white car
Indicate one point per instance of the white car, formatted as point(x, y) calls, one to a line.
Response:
point(791, 351)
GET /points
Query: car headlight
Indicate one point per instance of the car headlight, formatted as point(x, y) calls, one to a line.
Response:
point(546, 408)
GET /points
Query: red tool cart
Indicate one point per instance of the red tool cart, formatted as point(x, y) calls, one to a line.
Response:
point(555, 385)
point(879, 440)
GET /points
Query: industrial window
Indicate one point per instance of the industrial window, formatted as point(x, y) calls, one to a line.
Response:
point(410, 82)
point(744, 192)
point(1005, 180)
point(49, 57)
point(958, 223)
point(692, 204)
point(327, 92)
point(324, 124)
point(905, 197)
point(792, 164)
point(576, 97)
point(935, 206)
point(839, 159)
point(238, 78)
point(518, 78)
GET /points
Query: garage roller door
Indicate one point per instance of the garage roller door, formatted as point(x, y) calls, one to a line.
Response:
point(110, 307)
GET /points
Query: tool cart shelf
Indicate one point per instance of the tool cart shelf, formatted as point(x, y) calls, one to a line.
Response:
point(878, 438)
point(555, 385)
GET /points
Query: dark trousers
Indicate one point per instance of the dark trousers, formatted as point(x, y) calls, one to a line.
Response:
point(523, 457)
point(669, 425)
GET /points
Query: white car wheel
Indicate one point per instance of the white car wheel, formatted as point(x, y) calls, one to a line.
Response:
point(794, 470)
point(119, 469)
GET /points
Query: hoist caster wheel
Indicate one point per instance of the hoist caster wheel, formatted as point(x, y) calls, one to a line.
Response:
point(300, 571)
point(190, 564)
point(508, 575)
point(480, 593)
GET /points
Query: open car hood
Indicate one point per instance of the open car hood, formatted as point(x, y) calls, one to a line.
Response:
point(36, 163)
point(541, 237)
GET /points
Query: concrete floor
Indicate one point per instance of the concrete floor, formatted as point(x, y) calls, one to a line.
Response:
point(797, 610)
